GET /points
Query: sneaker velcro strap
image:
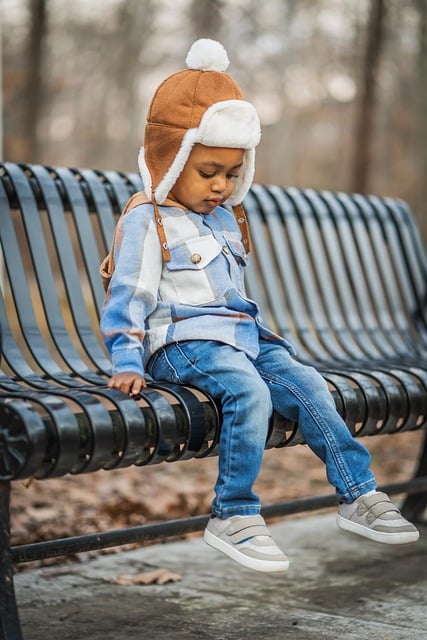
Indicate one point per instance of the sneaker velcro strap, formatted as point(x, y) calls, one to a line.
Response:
point(380, 504)
point(244, 528)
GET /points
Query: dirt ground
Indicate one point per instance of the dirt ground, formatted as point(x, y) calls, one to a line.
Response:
point(75, 505)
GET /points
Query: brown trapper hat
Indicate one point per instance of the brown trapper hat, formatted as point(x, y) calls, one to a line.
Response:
point(201, 104)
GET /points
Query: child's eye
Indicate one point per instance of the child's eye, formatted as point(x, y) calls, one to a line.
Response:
point(204, 174)
point(233, 176)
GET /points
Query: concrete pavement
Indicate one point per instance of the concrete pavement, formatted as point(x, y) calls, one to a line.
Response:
point(338, 587)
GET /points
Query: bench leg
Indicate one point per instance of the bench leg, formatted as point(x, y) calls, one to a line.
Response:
point(415, 503)
point(10, 628)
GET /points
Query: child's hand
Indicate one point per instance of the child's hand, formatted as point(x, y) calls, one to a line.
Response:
point(129, 382)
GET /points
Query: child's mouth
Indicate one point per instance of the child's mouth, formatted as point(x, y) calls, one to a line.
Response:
point(214, 202)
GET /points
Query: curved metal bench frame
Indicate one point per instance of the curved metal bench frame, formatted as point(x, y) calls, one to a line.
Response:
point(343, 277)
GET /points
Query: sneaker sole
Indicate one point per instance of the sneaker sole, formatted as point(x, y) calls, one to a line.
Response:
point(404, 537)
point(266, 566)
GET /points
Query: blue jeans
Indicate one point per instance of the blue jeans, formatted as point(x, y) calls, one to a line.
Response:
point(248, 391)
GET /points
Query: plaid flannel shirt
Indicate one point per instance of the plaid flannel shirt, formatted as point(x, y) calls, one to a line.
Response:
point(198, 295)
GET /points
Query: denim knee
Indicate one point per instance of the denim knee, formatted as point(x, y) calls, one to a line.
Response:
point(252, 396)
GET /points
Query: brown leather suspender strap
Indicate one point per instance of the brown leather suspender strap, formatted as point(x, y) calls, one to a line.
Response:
point(161, 233)
point(242, 221)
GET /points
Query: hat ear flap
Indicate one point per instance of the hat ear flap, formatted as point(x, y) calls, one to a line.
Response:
point(172, 174)
point(145, 174)
point(244, 181)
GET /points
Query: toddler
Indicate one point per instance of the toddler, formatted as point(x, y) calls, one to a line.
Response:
point(176, 308)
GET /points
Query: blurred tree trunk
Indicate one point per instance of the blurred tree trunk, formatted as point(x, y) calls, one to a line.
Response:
point(119, 104)
point(365, 118)
point(422, 74)
point(206, 18)
point(33, 92)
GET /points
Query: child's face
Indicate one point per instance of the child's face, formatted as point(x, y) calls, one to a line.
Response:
point(208, 178)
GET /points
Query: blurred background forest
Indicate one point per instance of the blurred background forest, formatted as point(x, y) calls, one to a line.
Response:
point(340, 85)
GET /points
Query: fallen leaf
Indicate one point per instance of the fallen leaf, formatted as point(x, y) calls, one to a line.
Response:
point(158, 576)
point(61, 571)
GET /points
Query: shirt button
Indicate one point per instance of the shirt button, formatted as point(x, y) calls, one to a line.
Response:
point(225, 249)
point(196, 258)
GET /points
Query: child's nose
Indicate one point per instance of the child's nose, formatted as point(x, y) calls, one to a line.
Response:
point(219, 184)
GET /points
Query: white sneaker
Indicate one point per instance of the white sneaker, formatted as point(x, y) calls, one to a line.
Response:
point(375, 517)
point(246, 540)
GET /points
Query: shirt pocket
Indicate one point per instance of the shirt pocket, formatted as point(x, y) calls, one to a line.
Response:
point(237, 250)
point(191, 276)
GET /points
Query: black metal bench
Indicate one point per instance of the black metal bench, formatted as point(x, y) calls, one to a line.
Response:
point(344, 277)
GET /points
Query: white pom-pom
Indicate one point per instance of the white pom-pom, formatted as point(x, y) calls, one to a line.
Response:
point(207, 55)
